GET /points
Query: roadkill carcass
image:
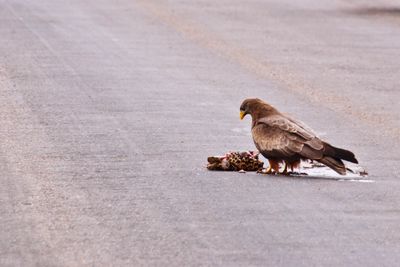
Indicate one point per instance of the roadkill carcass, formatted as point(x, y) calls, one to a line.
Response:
point(236, 161)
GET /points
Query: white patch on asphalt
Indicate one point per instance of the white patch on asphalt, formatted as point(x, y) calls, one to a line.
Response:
point(357, 180)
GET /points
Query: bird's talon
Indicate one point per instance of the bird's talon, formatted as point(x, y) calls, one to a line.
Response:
point(269, 170)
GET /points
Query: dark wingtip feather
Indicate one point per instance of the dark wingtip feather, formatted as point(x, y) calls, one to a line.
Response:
point(345, 154)
point(340, 153)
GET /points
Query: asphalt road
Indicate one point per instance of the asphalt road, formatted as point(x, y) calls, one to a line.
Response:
point(109, 109)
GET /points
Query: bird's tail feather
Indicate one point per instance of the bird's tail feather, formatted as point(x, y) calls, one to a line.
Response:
point(339, 153)
point(335, 164)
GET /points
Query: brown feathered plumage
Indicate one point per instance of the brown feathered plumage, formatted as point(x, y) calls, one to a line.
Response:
point(282, 139)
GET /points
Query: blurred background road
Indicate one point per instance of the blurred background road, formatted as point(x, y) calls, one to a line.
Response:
point(109, 109)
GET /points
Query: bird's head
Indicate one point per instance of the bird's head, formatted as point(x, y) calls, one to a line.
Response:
point(253, 106)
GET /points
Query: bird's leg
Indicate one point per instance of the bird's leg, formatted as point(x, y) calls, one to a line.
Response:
point(269, 170)
point(295, 165)
point(285, 172)
point(273, 167)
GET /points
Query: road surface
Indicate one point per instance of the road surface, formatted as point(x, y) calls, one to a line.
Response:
point(109, 109)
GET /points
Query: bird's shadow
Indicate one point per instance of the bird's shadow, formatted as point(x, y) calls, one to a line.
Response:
point(305, 177)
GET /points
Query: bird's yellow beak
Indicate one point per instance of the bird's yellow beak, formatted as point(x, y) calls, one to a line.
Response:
point(242, 114)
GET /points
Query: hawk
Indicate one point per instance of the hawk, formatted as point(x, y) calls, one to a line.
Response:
point(284, 140)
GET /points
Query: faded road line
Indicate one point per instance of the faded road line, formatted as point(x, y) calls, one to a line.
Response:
point(251, 63)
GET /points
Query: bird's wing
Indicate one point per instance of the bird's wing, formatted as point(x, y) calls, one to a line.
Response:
point(300, 124)
point(279, 136)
